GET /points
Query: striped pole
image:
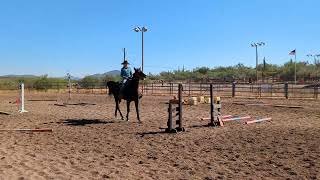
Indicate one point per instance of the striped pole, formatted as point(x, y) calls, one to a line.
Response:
point(258, 120)
point(223, 117)
point(236, 118)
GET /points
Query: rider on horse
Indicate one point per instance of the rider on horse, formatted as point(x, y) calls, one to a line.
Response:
point(127, 90)
point(126, 75)
point(126, 72)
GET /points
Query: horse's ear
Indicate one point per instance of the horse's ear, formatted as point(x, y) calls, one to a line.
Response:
point(135, 69)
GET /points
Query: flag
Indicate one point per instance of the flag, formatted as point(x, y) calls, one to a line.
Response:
point(292, 52)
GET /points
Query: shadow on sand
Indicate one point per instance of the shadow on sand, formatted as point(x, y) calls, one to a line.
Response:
point(83, 122)
point(203, 126)
point(151, 133)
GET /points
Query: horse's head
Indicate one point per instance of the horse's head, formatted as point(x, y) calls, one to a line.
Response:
point(138, 74)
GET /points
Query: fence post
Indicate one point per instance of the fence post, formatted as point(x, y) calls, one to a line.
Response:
point(211, 106)
point(260, 90)
point(189, 87)
point(286, 88)
point(180, 106)
point(316, 92)
point(170, 127)
point(233, 89)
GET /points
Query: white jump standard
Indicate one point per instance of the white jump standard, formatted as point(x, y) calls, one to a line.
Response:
point(21, 107)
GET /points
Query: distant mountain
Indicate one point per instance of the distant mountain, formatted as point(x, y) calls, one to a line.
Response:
point(73, 78)
point(110, 73)
point(113, 73)
point(18, 76)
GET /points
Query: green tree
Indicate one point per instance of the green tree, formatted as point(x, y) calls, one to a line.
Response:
point(42, 83)
point(89, 81)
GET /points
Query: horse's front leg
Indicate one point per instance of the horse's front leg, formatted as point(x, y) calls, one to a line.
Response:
point(136, 102)
point(128, 109)
point(118, 109)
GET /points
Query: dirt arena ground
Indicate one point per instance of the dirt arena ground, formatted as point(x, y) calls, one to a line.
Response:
point(87, 142)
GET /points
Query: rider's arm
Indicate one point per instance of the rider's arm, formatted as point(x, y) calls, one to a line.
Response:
point(130, 72)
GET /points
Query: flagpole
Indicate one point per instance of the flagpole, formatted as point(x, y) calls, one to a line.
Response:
point(295, 67)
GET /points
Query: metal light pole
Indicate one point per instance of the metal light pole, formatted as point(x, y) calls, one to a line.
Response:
point(256, 45)
point(295, 68)
point(124, 54)
point(142, 30)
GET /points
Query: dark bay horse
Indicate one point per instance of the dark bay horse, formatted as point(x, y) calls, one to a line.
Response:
point(130, 92)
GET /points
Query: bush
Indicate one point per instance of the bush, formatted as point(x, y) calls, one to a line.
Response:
point(89, 81)
point(42, 83)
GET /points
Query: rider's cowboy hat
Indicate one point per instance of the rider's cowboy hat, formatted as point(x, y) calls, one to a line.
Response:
point(125, 62)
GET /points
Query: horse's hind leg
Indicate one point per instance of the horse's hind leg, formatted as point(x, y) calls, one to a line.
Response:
point(115, 112)
point(128, 109)
point(136, 102)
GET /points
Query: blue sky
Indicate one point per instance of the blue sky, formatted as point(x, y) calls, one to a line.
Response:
point(87, 36)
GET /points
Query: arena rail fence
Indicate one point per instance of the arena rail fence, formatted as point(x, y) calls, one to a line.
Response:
point(284, 90)
point(262, 90)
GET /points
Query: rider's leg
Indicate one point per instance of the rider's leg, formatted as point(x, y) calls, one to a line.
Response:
point(122, 87)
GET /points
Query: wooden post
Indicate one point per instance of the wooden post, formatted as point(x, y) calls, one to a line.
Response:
point(212, 123)
point(178, 109)
point(152, 88)
point(286, 87)
point(189, 87)
point(260, 89)
point(170, 118)
point(316, 92)
point(180, 106)
point(233, 89)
